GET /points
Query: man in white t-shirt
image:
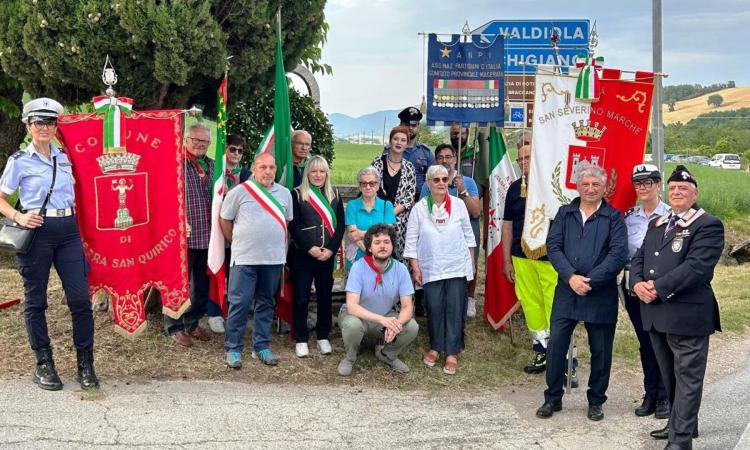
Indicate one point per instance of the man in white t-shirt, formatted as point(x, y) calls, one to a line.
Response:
point(377, 285)
point(254, 218)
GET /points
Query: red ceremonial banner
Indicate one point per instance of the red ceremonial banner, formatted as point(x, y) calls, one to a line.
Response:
point(624, 108)
point(130, 206)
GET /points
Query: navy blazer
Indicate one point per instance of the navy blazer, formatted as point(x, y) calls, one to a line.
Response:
point(598, 250)
point(682, 266)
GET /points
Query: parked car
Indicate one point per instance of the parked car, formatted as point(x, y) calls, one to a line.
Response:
point(668, 157)
point(679, 158)
point(700, 160)
point(725, 161)
point(648, 157)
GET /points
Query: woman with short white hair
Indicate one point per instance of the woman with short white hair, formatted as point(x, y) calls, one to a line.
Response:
point(440, 245)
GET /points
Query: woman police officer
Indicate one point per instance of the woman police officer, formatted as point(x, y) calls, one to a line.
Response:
point(30, 171)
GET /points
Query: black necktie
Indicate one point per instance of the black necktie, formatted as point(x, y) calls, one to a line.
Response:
point(670, 225)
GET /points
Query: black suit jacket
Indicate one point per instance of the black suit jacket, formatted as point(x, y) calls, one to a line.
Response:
point(682, 266)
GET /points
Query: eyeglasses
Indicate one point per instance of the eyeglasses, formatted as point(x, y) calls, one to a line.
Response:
point(302, 144)
point(197, 141)
point(437, 180)
point(235, 149)
point(371, 184)
point(448, 156)
point(646, 184)
point(42, 124)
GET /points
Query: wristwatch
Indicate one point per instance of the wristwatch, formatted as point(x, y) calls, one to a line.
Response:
point(463, 193)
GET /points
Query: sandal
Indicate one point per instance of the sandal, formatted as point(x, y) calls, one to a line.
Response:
point(451, 365)
point(430, 358)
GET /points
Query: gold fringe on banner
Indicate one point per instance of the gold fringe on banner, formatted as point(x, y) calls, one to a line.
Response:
point(533, 253)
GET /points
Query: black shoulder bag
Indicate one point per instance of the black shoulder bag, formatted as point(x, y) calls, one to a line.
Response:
point(16, 238)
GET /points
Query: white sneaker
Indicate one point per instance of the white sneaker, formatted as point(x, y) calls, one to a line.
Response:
point(216, 324)
point(324, 347)
point(471, 307)
point(301, 350)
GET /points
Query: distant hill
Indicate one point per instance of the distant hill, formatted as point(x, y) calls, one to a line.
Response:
point(344, 125)
point(734, 98)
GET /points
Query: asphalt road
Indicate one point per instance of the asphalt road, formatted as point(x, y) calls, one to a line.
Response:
point(211, 415)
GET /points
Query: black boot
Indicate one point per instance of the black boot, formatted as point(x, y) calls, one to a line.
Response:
point(647, 407)
point(86, 375)
point(45, 374)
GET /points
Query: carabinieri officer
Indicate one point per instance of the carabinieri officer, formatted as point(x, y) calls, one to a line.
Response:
point(30, 172)
point(671, 273)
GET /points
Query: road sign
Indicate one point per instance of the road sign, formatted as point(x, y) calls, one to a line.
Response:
point(537, 32)
point(528, 43)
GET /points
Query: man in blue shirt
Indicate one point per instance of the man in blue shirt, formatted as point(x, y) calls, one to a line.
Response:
point(466, 189)
point(378, 304)
point(416, 152)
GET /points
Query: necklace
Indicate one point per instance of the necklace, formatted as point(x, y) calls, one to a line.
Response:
point(391, 164)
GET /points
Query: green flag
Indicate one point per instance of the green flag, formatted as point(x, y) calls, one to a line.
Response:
point(282, 119)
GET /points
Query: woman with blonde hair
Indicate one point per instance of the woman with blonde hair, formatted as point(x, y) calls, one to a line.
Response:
point(316, 233)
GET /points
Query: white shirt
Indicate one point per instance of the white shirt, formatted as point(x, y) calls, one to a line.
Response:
point(441, 254)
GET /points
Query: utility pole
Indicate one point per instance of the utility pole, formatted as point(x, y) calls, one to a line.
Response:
point(657, 123)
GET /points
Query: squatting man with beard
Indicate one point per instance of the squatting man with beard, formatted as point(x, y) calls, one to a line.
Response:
point(378, 307)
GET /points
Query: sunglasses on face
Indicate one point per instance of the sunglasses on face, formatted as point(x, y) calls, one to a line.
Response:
point(42, 124)
point(235, 149)
point(197, 141)
point(371, 184)
point(437, 180)
point(647, 184)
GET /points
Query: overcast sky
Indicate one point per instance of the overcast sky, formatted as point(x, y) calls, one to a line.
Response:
point(376, 53)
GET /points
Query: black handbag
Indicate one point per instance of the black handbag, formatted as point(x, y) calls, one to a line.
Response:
point(16, 238)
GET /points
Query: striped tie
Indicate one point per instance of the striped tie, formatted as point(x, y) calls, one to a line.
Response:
point(670, 225)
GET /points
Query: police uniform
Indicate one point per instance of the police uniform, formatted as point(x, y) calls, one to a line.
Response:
point(419, 154)
point(57, 241)
point(637, 222)
point(679, 253)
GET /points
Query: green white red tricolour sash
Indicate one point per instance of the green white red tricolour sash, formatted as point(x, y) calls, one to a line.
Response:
point(113, 107)
point(267, 201)
point(323, 207)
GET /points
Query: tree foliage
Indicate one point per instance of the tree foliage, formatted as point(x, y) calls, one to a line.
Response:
point(710, 133)
point(715, 100)
point(679, 92)
point(251, 119)
point(167, 53)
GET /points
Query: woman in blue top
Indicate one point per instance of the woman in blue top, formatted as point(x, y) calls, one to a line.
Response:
point(365, 211)
point(31, 172)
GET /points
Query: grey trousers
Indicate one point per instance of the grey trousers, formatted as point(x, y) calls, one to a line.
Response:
point(445, 302)
point(355, 331)
point(682, 362)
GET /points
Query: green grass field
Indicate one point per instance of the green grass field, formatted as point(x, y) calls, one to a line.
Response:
point(350, 158)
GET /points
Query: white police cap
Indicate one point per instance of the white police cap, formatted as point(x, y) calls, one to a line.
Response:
point(42, 108)
point(644, 171)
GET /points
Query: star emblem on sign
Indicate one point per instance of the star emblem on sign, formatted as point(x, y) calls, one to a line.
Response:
point(445, 52)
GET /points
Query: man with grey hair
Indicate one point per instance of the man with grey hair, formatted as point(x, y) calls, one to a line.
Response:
point(198, 173)
point(301, 145)
point(588, 246)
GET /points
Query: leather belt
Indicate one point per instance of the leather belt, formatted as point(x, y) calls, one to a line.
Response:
point(51, 212)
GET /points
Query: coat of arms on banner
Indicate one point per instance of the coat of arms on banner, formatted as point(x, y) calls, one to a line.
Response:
point(120, 181)
point(577, 154)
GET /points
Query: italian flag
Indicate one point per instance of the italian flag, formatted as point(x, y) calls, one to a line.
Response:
point(500, 300)
point(217, 242)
